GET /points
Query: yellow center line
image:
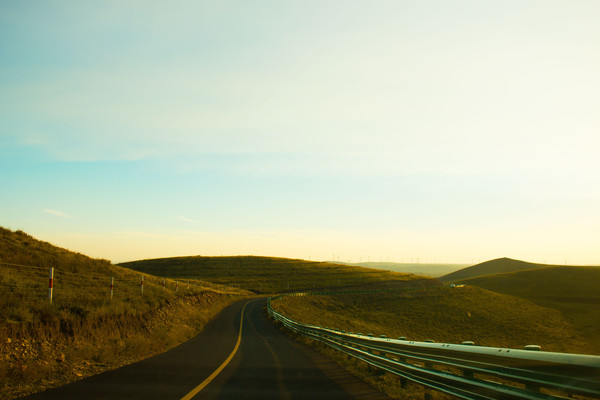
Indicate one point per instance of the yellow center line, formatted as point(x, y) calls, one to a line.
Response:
point(212, 376)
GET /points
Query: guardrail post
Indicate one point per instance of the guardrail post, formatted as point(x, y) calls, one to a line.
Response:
point(51, 284)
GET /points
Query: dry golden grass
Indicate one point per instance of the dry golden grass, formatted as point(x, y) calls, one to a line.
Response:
point(81, 284)
point(449, 315)
point(84, 331)
point(38, 357)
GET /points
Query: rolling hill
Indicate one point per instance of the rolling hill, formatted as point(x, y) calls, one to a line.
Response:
point(496, 266)
point(573, 291)
point(272, 275)
point(443, 314)
point(81, 284)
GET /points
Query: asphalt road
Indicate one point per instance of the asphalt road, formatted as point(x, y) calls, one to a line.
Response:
point(266, 365)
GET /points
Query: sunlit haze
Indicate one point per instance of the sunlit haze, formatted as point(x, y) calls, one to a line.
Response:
point(407, 131)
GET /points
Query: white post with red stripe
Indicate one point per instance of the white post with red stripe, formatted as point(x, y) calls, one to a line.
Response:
point(112, 285)
point(51, 284)
point(142, 285)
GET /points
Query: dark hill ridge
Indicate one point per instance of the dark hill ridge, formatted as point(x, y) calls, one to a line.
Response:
point(556, 282)
point(574, 291)
point(271, 274)
point(492, 267)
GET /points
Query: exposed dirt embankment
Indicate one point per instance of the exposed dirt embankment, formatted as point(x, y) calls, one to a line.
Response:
point(35, 357)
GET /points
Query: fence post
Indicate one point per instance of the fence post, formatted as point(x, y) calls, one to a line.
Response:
point(112, 283)
point(142, 284)
point(51, 284)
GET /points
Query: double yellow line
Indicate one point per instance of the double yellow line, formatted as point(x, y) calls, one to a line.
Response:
point(212, 376)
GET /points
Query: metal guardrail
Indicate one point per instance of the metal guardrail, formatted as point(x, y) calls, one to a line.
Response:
point(465, 371)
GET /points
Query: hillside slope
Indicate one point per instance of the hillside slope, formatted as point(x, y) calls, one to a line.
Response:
point(270, 274)
point(443, 314)
point(496, 266)
point(85, 330)
point(22, 249)
point(573, 291)
point(81, 285)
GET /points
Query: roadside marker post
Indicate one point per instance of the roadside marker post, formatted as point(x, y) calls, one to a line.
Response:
point(51, 284)
point(112, 283)
point(142, 284)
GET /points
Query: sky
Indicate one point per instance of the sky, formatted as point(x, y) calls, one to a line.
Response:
point(430, 131)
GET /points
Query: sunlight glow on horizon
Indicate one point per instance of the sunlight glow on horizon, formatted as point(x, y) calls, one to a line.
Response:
point(432, 130)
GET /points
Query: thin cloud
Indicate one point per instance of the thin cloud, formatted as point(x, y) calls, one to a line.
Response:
point(35, 141)
point(184, 219)
point(57, 213)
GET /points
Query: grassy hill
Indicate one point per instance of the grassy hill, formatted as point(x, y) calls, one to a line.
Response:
point(443, 314)
point(573, 291)
point(269, 274)
point(23, 249)
point(85, 331)
point(81, 284)
point(557, 308)
point(497, 266)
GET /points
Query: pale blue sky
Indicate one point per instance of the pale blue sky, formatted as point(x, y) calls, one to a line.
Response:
point(447, 131)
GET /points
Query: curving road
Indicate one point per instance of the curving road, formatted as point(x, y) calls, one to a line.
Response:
point(219, 363)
